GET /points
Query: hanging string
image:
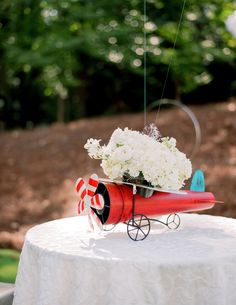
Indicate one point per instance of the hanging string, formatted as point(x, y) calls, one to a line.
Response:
point(145, 63)
point(171, 59)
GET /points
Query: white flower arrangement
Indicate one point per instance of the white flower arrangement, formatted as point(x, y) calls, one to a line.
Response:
point(134, 154)
point(231, 24)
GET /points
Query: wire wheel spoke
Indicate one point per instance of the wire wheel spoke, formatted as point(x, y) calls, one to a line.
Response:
point(138, 227)
point(136, 236)
point(144, 234)
point(173, 221)
point(147, 225)
point(134, 229)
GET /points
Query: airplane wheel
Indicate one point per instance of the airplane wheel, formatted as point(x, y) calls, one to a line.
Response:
point(173, 221)
point(138, 227)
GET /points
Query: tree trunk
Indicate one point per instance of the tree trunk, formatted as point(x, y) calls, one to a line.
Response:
point(60, 110)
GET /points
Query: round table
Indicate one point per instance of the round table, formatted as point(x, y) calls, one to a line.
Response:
point(62, 263)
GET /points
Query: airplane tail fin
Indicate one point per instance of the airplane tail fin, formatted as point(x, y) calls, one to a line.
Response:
point(198, 181)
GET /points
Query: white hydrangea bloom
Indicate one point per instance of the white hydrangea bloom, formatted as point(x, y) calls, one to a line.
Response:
point(134, 153)
point(93, 147)
point(231, 24)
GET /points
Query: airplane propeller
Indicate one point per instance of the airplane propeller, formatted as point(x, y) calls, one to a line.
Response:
point(89, 200)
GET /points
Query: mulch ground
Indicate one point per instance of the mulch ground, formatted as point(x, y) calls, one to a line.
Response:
point(39, 167)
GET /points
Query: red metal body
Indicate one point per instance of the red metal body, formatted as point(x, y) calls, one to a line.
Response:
point(120, 202)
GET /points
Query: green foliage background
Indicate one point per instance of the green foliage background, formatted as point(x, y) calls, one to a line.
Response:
point(61, 60)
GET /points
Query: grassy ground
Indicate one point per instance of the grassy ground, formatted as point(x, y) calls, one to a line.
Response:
point(9, 260)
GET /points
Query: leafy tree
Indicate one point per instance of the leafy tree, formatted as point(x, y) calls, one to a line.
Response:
point(61, 60)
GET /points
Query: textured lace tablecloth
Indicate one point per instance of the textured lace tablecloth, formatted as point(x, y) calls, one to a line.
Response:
point(64, 264)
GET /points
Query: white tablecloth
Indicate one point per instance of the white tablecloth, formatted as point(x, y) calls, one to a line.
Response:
point(64, 264)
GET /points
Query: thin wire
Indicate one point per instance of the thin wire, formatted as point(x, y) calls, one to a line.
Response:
point(172, 57)
point(145, 63)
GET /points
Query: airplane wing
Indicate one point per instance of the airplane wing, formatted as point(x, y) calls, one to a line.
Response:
point(146, 187)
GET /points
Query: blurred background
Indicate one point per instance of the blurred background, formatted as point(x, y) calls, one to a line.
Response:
point(74, 69)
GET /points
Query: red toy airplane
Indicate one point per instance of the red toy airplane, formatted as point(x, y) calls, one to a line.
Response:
point(110, 202)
